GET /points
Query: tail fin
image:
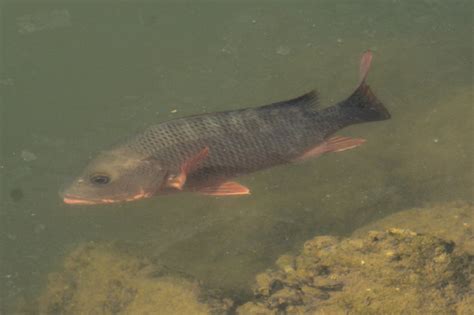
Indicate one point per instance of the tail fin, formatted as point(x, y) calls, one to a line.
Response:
point(363, 105)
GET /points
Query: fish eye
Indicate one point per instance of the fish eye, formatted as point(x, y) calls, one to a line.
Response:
point(100, 179)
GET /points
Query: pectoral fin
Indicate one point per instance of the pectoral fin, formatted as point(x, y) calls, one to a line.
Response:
point(224, 189)
point(177, 181)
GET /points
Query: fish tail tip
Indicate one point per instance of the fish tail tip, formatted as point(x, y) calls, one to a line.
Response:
point(363, 105)
point(364, 66)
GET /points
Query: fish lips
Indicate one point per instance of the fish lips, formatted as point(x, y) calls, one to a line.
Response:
point(74, 200)
point(71, 199)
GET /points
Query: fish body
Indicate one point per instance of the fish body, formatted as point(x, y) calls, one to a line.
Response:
point(202, 153)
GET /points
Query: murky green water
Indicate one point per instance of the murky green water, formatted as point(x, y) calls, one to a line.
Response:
point(76, 78)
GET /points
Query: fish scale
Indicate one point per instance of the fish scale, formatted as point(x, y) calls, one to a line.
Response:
point(233, 142)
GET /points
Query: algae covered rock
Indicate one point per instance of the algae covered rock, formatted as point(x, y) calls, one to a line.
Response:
point(451, 221)
point(393, 272)
point(106, 279)
point(425, 266)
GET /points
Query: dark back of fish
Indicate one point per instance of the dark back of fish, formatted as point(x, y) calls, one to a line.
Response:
point(247, 140)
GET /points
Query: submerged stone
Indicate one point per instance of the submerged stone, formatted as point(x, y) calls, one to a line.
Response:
point(393, 272)
point(105, 279)
point(407, 268)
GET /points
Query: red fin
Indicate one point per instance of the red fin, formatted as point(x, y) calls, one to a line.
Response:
point(334, 144)
point(364, 67)
point(224, 189)
point(178, 181)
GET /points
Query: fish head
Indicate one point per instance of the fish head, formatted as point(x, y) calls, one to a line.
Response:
point(115, 176)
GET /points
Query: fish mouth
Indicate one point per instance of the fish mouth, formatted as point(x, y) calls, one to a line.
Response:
point(74, 200)
point(77, 200)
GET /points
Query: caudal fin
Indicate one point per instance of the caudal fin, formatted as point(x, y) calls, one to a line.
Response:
point(363, 105)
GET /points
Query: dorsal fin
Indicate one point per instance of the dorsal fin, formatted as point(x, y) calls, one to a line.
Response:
point(310, 100)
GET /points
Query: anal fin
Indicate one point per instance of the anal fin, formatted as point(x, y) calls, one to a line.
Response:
point(334, 144)
point(224, 189)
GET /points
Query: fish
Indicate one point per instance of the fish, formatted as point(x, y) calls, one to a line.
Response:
point(205, 153)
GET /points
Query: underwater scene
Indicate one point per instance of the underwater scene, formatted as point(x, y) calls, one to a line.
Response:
point(236, 157)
